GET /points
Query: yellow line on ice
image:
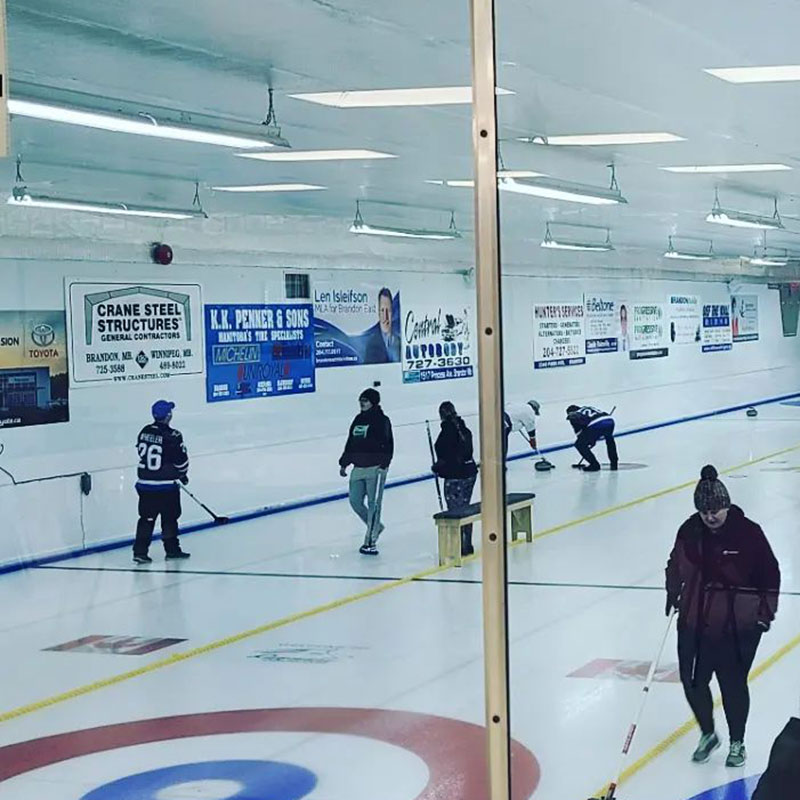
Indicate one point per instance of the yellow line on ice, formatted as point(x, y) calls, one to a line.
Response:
point(690, 724)
point(179, 658)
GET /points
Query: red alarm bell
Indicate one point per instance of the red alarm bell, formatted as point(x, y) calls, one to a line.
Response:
point(162, 254)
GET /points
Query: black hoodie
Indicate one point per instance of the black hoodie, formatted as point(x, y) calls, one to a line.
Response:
point(370, 442)
point(454, 457)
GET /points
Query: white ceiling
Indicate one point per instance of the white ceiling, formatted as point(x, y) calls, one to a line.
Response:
point(578, 66)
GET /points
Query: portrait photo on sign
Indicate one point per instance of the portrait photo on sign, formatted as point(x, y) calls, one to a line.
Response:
point(356, 324)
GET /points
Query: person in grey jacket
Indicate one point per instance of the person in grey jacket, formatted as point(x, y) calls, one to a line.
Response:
point(369, 449)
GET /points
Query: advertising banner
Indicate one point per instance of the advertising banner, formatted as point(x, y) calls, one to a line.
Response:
point(648, 336)
point(602, 324)
point(133, 332)
point(437, 343)
point(34, 384)
point(744, 317)
point(356, 323)
point(717, 328)
point(558, 335)
point(259, 350)
point(685, 319)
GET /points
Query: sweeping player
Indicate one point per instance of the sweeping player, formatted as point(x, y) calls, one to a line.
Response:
point(520, 417)
point(162, 461)
point(591, 425)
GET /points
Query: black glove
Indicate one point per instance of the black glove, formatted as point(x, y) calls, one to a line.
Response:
point(184, 479)
point(672, 602)
point(763, 625)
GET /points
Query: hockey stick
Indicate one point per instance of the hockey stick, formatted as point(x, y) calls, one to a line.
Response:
point(433, 461)
point(218, 520)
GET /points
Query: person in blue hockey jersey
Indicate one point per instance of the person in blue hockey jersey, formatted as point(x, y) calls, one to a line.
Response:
point(591, 424)
point(163, 461)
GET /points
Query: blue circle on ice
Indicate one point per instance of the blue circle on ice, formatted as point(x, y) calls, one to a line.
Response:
point(212, 780)
point(738, 790)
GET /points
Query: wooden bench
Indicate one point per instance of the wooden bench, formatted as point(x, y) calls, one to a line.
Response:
point(449, 524)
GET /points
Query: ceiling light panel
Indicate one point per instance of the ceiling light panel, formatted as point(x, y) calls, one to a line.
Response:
point(779, 74)
point(388, 98)
point(606, 139)
point(270, 187)
point(713, 169)
point(316, 155)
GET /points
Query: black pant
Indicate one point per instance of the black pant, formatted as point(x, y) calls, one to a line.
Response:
point(589, 437)
point(167, 504)
point(730, 659)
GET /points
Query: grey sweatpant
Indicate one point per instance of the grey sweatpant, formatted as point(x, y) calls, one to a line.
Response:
point(368, 482)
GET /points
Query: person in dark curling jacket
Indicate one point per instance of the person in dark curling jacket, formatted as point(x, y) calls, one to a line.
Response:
point(591, 424)
point(369, 448)
point(456, 465)
point(162, 462)
point(724, 580)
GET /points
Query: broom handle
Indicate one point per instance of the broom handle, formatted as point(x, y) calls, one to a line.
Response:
point(433, 461)
point(651, 673)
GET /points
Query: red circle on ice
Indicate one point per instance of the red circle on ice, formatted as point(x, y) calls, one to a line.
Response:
point(454, 751)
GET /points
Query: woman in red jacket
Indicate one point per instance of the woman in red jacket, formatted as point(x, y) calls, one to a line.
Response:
point(724, 580)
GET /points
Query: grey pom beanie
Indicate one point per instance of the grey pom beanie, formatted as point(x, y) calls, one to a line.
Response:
point(711, 493)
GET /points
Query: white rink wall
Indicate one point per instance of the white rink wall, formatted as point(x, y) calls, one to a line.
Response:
point(255, 453)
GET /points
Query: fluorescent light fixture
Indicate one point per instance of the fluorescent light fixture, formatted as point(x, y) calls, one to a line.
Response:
point(682, 255)
point(738, 219)
point(25, 200)
point(387, 98)
point(361, 227)
point(741, 219)
point(144, 125)
point(562, 190)
point(519, 173)
point(503, 173)
point(401, 233)
point(270, 187)
point(679, 255)
point(779, 74)
point(713, 169)
point(603, 139)
point(564, 244)
point(767, 261)
point(316, 155)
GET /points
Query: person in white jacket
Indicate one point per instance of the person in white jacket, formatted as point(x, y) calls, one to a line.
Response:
point(521, 417)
